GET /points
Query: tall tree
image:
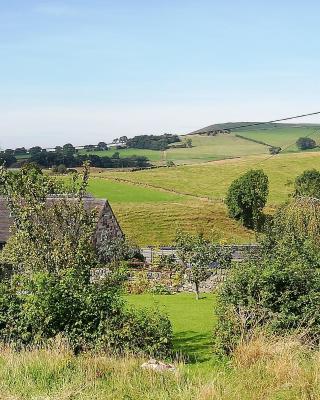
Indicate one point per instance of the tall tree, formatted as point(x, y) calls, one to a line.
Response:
point(247, 197)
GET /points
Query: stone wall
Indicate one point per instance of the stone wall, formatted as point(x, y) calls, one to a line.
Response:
point(168, 280)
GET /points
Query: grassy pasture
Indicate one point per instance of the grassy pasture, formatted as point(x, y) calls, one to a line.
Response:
point(223, 146)
point(153, 155)
point(152, 204)
point(205, 148)
point(157, 223)
point(119, 192)
point(283, 137)
point(212, 179)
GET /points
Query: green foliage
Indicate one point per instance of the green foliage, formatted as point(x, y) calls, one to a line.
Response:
point(305, 143)
point(247, 197)
point(308, 184)
point(278, 290)
point(152, 142)
point(51, 293)
point(139, 284)
point(196, 254)
point(88, 315)
point(160, 288)
point(165, 262)
point(118, 249)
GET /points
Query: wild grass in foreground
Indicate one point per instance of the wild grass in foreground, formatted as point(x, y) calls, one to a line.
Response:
point(261, 369)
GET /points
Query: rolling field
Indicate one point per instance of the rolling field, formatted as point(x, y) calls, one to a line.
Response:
point(283, 137)
point(152, 204)
point(205, 148)
point(223, 146)
point(211, 180)
point(118, 192)
point(153, 155)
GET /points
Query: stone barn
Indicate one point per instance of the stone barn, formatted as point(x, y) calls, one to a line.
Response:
point(107, 223)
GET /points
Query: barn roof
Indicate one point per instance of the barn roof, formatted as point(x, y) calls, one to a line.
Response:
point(90, 203)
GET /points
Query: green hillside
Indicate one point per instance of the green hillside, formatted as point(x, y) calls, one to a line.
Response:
point(152, 204)
point(227, 145)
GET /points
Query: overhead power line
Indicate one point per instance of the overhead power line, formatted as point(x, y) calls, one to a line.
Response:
point(231, 128)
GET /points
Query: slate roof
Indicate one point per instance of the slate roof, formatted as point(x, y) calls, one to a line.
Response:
point(90, 203)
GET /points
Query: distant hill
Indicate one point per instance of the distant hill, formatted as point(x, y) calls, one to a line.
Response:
point(266, 126)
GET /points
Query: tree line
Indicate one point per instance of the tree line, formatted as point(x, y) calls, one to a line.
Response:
point(70, 157)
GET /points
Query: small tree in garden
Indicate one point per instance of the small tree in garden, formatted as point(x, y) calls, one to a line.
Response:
point(196, 255)
point(247, 197)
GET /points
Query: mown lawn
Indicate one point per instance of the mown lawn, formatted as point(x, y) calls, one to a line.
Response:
point(192, 321)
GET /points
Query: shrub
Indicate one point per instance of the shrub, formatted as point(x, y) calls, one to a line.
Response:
point(51, 294)
point(89, 316)
point(247, 197)
point(279, 289)
point(308, 184)
point(118, 249)
point(305, 143)
point(139, 284)
point(160, 288)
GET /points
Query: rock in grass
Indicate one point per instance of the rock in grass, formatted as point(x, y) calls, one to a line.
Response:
point(158, 366)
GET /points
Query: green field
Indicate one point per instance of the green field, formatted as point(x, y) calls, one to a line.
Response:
point(118, 192)
point(283, 137)
point(205, 148)
point(152, 204)
point(223, 146)
point(212, 179)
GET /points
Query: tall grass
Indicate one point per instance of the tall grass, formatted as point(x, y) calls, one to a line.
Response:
point(264, 368)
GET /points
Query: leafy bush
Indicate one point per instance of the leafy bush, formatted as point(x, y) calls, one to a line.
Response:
point(280, 289)
point(160, 288)
point(308, 184)
point(152, 142)
point(247, 197)
point(90, 316)
point(305, 143)
point(50, 293)
point(140, 283)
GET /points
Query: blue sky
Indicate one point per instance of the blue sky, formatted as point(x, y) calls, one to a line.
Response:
point(85, 71)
